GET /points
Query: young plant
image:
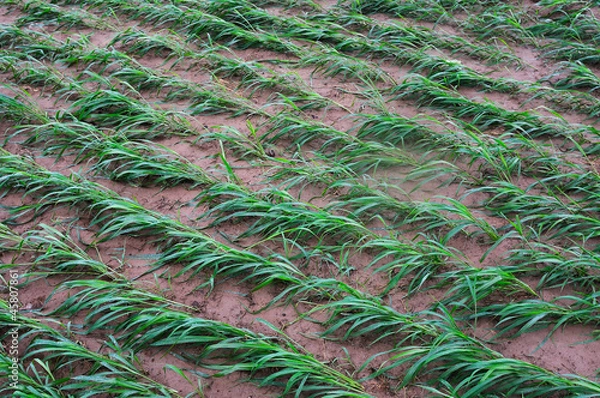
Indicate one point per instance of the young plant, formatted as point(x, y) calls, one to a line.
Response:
point(278, 214)
point(218, 346)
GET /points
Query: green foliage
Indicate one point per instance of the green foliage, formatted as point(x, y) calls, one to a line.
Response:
point(352, 208)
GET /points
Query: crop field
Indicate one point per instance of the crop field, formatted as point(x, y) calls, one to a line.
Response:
point(300, 198)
